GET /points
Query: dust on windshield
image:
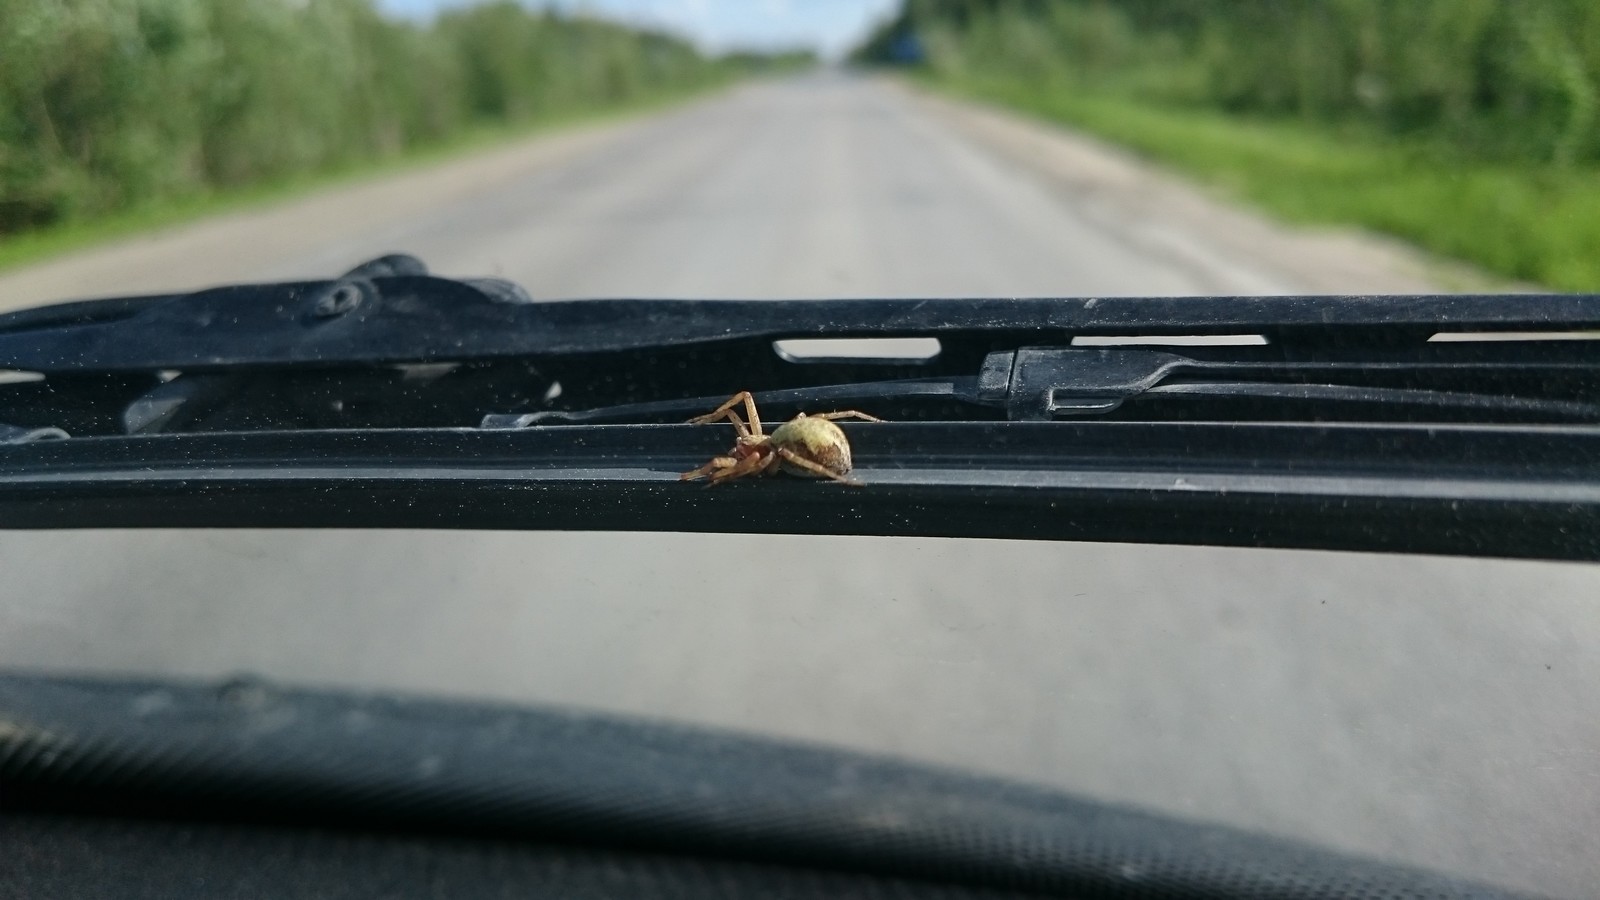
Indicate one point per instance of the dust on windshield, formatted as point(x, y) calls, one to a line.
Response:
point(1432, 711)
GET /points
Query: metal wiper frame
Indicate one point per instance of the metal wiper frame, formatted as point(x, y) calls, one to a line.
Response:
point(1522, 480)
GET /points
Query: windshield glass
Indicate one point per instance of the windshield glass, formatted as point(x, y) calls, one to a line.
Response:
point(1433, 711)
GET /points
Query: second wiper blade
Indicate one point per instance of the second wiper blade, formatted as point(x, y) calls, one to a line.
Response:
point(389, 315)
point(388, 346)
point(1044, 383)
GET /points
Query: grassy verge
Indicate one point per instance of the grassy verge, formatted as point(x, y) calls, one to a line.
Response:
point(1537, 224)
point(37, 246)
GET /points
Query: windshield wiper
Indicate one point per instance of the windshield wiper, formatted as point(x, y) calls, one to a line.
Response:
point(389, 346)
point(390, 397)
point(1041, 384)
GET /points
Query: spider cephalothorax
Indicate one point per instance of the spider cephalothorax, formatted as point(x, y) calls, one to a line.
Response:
point(807, 446)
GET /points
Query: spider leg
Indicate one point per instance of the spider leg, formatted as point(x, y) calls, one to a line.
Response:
point(771, 467)
point(750, 465)
point(846, 414)
point(750, 412)
point(721, 412)
point(717, 464)
point(796, 459)
point(725, 411)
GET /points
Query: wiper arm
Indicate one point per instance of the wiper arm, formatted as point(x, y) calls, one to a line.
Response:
point(1039, 384)
point(1066, 401)
point(1391, 399)
point(390, 398)
point(391, 312)
point(1047, 383)
point(387, 345)
point(812, 399)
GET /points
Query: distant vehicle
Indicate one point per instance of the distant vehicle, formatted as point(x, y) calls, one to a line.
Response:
point(905, 49)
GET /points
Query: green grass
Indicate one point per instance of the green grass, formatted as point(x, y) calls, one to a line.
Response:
point(1535, 224)
point(39, 245)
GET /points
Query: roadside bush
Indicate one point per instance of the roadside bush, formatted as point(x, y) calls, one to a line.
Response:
point(109, 104)
point(1470, 127)
point(1503, 80)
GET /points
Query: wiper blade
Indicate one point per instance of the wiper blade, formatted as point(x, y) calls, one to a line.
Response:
point(389, 346)
point(386, 313)
point(393, 399)
point(1523, 491)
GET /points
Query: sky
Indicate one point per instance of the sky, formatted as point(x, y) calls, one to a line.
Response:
point(831, 27)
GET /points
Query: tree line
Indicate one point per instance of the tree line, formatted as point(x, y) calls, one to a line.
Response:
point(1502, 80)
point(107, 104)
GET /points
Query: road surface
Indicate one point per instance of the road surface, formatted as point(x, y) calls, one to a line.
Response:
point(1432, 711)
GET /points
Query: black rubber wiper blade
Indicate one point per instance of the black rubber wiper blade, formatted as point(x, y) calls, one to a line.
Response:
point(388, 346)
point(1510, 491)
point(389, 313)
point(1043, 383)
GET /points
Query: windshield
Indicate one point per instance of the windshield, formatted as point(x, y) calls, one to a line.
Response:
point(1433, 711)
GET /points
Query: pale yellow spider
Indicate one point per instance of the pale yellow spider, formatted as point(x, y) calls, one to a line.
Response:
point(807, 446)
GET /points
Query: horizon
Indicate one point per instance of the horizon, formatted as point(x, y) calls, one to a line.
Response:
point(828, 27)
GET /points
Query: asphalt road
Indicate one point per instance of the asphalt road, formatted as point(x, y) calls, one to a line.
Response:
point(1434, 711)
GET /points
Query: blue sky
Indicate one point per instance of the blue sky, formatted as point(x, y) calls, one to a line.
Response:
point(830, 26)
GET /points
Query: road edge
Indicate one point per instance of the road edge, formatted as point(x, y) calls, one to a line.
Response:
point(1193, 222)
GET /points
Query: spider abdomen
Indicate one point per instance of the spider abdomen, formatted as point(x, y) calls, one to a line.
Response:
point(816, 440)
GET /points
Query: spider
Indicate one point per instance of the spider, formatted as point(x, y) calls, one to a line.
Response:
point(807, 446)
